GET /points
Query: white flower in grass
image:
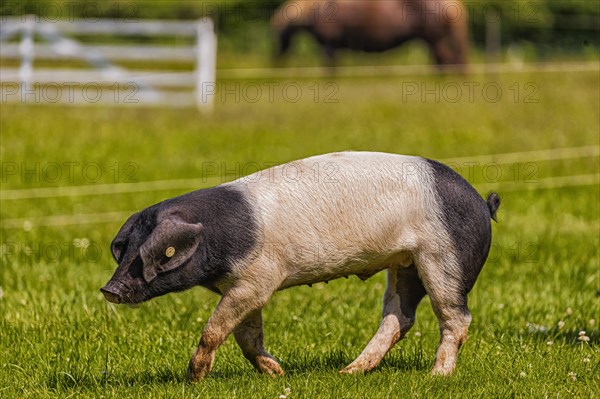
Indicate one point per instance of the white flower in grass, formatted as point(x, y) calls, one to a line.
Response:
point(550, 343)
point(417, 334)
point(523, 374)
point(569, 311)
point(561, 324)
point(586, 360)
point(583, 337)
point(534, 328)
point(572, 376)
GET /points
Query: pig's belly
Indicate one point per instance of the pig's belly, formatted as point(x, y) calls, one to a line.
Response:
point(362, 266)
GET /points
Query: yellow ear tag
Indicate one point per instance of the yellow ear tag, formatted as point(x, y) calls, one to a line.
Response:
point(170, 252)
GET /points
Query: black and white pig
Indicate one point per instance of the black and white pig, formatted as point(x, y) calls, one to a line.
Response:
point(307, 221)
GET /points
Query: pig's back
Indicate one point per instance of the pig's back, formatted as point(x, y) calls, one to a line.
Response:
point(342, 185)
point(336, 207)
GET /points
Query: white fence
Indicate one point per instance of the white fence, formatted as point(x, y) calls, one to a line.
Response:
point(104, 81)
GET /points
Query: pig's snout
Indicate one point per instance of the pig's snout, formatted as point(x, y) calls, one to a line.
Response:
point(114, 291)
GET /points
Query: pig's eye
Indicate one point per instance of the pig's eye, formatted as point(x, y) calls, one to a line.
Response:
point(164, 260)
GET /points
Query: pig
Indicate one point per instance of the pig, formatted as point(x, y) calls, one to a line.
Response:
point(310, 221)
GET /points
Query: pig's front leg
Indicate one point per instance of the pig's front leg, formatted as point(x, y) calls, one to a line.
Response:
point(249, 336)
point(235, 306)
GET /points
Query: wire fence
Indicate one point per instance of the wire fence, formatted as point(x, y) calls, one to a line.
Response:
point(547, 155)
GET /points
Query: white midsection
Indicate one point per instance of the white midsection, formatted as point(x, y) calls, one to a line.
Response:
point(339, 214)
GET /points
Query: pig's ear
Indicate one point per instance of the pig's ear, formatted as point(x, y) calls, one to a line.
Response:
point(171, 243)
point(121, 240)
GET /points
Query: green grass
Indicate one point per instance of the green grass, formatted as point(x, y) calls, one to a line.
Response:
point(59, 338)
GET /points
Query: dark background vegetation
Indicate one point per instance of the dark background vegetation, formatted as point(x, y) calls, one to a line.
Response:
point(569, 25)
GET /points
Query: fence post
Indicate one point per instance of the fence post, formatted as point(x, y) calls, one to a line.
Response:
point(493, 38)
point(26, 49)
point(206, 64)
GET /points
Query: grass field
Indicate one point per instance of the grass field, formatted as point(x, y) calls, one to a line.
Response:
point(540, 288)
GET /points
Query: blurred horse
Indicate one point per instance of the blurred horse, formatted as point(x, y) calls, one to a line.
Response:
point(377, 25)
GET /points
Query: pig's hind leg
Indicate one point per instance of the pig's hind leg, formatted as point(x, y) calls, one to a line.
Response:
point(444, 283)
point(249, 336)
point(403, 293)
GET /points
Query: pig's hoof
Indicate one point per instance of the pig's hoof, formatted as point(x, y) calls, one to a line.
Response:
point(197, 372)
point(352, 370)
point(360, 365)
point(194, 375)
point(269, 366)
point(441, 371)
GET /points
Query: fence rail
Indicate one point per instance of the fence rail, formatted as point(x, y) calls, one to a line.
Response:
point(114, 52)
point(71, 77)
point(107, 26)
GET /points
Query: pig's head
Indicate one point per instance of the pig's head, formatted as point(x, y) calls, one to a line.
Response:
point(157, 253)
